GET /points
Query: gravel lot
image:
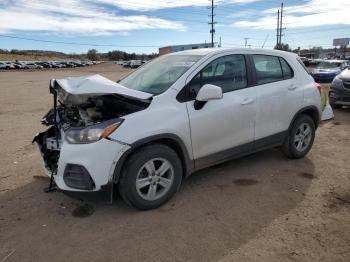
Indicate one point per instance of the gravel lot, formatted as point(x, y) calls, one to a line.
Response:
point(263, 207)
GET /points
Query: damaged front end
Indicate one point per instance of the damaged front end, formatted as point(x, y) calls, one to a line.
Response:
point(85, 110)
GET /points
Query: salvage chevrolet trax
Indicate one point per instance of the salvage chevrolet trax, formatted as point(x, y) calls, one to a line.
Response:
point(177, 114)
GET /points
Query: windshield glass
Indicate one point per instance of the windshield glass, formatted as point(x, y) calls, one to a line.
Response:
point(157, 76)
point(328, 65)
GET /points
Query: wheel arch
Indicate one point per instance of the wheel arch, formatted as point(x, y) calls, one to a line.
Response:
point(170, 140)
point(310, 111)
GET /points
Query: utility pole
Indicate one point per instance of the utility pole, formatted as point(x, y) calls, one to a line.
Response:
point(245, 42)
point(212, 23)
point(278, 29)
point(281, 24)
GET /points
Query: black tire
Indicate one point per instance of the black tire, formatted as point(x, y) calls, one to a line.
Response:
point(127, 183)
point(289, 147)
point(336, 106)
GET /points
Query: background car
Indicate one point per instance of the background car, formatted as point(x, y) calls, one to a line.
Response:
point(135, 63)
point(339, 94)
point(326, 70)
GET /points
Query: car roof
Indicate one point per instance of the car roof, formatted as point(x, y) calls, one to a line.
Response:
point(212, 51)
point(335, 61)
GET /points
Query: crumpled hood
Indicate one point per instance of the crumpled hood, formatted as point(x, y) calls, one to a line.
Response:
point(75, 90)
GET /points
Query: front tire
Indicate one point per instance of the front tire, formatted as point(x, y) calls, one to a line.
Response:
point(150, 177)
point(300, 137)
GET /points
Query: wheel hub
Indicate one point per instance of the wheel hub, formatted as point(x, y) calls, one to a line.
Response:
point(154, 179)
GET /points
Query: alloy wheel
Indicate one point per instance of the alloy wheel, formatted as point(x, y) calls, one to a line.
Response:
point(154, 179)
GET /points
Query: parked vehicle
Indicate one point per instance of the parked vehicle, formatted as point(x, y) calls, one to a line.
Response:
point(4, 65)
point(135, 63)
point(177, 114)
point(306, 61)
point(126, 63)
point(339, 94)
point(326, 70)
point(34, 66)
point(10, 65)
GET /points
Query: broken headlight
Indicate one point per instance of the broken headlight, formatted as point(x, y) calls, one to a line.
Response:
point(92, 133)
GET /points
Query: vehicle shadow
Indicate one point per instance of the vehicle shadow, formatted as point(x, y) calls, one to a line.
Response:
point(216, 210)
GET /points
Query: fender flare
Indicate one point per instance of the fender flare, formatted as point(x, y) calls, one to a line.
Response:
point(181, 150)
point(315, 115)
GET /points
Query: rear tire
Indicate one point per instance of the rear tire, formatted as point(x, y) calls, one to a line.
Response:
point(300, 137)
point(150, 177)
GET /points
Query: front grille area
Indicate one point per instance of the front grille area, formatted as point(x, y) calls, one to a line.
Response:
point(76, 176)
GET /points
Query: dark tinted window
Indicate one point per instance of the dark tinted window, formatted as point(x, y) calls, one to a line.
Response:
point(286, 69)
point(228, 72)
point(268, 69)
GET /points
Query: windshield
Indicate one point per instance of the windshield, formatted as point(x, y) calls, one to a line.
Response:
point(328, 65)
point(157, 76)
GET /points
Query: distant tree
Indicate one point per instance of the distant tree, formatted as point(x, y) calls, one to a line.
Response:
point(344, 50)
point(92, 54)
point(283, 47)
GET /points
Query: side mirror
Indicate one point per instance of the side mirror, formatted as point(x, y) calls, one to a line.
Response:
point(209, 92)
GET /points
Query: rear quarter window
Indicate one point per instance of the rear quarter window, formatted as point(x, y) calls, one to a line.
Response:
point(302, 64)
point(268, 69)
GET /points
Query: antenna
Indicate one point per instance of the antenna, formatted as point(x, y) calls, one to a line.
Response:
point(267, 36)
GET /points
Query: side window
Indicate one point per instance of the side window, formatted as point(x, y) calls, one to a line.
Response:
point(268, 69)
point(286, 69)
point(228, 72)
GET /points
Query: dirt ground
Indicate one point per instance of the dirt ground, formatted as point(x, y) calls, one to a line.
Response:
point(263, 207)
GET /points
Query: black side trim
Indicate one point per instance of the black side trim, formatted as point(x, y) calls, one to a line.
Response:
point(270, 141)
point(223, 156)
point(183, 154)
point(242, 150)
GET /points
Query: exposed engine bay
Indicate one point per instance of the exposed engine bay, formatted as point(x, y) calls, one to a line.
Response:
point(94, 110)
point(80, 103)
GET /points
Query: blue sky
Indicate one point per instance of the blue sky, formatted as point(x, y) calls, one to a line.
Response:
point(143, 26)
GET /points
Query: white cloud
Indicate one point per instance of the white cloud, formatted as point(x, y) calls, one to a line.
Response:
point(150, 5)
point(312, 13)
point(74, 16)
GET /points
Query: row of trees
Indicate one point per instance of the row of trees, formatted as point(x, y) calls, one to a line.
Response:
point(92, 54)
point(115, 55)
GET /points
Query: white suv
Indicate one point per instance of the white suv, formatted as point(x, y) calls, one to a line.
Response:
point(177, 114)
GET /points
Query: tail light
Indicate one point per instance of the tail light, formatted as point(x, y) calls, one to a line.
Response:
point(318, 86)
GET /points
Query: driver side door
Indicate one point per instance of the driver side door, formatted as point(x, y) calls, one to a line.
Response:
point(222, 128)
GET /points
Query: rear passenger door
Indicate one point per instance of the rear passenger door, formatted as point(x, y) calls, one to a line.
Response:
point(277, 98)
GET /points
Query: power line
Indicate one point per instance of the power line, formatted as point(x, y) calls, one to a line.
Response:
point(74, 43)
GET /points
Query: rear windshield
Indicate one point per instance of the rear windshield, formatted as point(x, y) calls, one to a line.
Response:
point(328, 65)
point(157, 76)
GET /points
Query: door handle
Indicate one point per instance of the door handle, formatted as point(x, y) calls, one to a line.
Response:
point(292, 87)
point(247, 101)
